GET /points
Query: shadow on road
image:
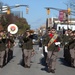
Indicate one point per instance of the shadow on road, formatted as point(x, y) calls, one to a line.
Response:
point(21, 63)
point(43, 62)
point(61, 60)
point(8, 61)
point(64, 62)
point(44, 69)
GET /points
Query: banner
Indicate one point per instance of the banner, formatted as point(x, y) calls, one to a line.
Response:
point(61, 15)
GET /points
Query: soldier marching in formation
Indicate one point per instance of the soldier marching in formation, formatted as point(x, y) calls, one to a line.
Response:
point(50, 42)
point(52, 49)
point(27, 48)
point(9, 44)
point(2, 49)
point(6, 47)
point(51, 46)
point(72, 49)
point(68, 42)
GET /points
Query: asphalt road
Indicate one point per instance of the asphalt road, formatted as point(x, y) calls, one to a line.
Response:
point(14, 67)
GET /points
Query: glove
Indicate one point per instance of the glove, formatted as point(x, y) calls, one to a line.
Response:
point(46, 49)
point(57, 43)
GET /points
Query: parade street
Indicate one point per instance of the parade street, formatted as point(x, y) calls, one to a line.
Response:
point(15, 67)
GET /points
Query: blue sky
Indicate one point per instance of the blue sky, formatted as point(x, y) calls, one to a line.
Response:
point(37, 12)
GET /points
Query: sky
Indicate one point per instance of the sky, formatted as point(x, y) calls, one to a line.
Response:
point(37, 13)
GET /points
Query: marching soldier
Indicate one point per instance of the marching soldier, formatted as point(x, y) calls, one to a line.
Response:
point(53, 48)
point(67, 37)
point(2, 51)
point(10, 44)
point(27, 48)
point(65, 41)
point(4, 39)
point(72, 49)
point(45, 43)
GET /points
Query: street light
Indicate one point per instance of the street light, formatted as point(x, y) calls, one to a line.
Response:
point(48, 11)
point(47, 24)
point(8, 8)
point(27, 10)
point(67, 12)
point(27, 7)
